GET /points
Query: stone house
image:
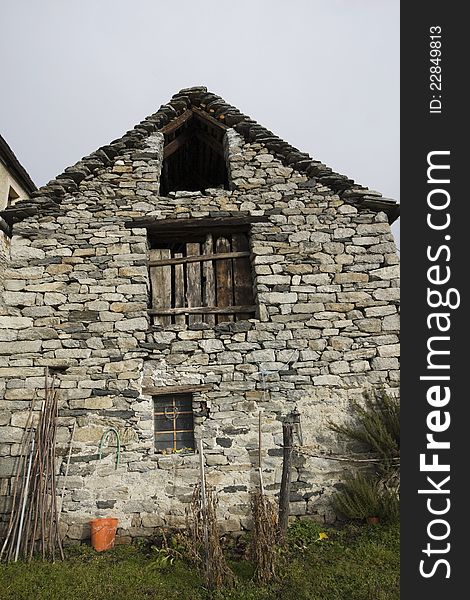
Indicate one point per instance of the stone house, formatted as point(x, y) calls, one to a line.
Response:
point(177, 282)
point(15, 182)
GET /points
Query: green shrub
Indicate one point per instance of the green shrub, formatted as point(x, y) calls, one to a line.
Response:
point(377, 427)
point(359, 498)
point(390, 506)
point(364, 496)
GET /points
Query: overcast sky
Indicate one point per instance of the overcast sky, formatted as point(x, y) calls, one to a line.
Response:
point(321, 74)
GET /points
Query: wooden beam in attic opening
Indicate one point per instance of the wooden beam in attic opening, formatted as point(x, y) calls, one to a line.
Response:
point(200, 115)
point(205, 118)
point(176, 144)
point(176, 123)
point(171, 147)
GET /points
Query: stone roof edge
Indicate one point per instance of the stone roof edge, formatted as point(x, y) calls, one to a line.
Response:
point(49, 195)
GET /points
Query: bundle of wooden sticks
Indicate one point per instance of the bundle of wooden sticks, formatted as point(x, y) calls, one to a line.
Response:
point(33, 528)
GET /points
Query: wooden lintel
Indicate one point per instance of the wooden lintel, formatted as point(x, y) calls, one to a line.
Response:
point(168, 390)
point(176, 144)
point(204, 310)
point(169, 225)
point(175, 123)
point(203, 116)
point(200, 258)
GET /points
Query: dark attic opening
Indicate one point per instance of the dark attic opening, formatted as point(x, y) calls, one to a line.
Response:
point(193, 155)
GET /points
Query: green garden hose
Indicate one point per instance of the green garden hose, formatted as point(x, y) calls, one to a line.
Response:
point(118, 440)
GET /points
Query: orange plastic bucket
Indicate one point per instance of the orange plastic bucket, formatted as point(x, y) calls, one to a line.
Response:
point(103, 533)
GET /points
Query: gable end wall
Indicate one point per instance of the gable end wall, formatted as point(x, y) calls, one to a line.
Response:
point(75, 298)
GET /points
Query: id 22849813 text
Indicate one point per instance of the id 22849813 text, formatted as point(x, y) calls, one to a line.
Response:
point(435, 69)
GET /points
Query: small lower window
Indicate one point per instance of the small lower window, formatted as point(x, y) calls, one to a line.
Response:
point(174, 423)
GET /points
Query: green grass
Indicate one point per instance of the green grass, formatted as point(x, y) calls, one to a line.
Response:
point(355, 562)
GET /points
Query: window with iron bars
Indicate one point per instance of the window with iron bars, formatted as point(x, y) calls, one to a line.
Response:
point(174, 423)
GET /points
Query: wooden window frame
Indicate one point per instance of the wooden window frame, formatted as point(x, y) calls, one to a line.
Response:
point(174, 398)
point(212, 281)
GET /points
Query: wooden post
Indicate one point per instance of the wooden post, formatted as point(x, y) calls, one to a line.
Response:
point(287, 435)
point(205, 523)
point(202, 476)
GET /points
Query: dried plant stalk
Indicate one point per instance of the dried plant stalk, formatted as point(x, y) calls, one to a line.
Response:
point(264, 548)
point(203, 538)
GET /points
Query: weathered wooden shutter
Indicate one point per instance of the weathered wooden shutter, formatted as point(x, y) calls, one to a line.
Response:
point(208, 280)
point(160, 283)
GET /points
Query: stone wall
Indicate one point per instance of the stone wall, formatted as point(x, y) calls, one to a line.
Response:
point(76, 294)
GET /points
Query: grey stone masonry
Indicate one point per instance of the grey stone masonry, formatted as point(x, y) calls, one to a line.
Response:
point(75, 296)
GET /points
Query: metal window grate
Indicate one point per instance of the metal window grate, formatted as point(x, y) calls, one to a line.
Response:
point(174, 423)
